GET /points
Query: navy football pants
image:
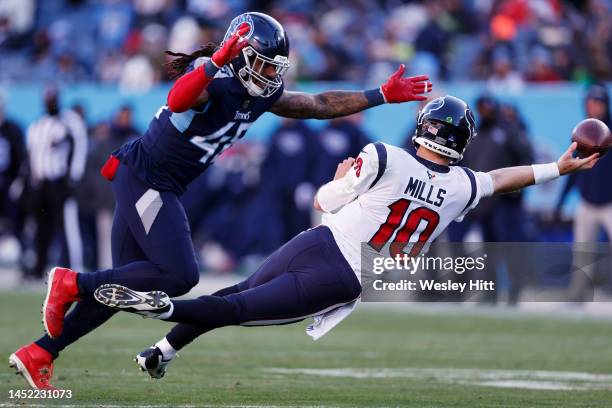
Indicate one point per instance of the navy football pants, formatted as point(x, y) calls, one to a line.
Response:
point(151, 248)
point(306, 276)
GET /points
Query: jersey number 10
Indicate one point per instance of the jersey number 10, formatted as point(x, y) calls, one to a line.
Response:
point(402, 238)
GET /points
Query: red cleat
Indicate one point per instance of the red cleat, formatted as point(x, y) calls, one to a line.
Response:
point(35, 364)
point(62, 290)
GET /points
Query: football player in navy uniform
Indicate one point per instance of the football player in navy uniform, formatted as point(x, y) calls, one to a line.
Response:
point(220, 93)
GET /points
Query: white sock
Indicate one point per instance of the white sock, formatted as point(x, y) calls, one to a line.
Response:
point(166, 315)
point(167, 350)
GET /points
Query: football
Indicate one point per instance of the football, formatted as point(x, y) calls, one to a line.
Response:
point(592, 136)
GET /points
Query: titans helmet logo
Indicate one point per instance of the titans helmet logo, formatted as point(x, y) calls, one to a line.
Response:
point(237, 22)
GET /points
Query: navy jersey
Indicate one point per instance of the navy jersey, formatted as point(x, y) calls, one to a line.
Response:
point(177, 147)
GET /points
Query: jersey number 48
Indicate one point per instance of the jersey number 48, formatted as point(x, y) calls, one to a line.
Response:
point(217, 142)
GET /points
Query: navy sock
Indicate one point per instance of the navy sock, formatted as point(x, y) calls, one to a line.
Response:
point(182, 334)
point(208, 311)
point(49, 344)
point(89, 282)
point(86, 316)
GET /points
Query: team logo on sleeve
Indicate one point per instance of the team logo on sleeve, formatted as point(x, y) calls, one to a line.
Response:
point(358, 164)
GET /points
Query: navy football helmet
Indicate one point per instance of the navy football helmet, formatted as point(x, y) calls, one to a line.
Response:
point(267, 45)
point(446, 126)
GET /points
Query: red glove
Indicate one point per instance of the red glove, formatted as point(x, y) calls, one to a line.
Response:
point(231, 48)
point(398, 89)
point(186, 90)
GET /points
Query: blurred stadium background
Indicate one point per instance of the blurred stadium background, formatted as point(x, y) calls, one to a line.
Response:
point(528, 67)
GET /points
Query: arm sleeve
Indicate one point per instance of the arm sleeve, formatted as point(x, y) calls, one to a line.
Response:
point(481, 185)
point(187, 88)
point(337, 193)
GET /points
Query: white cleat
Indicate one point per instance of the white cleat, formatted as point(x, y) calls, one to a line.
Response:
point(147, 304)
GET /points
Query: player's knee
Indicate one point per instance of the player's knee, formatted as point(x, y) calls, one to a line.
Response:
point(193, 275)
point(185, 275)
point(182, 286)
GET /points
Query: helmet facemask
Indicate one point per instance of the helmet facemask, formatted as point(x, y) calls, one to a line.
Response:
point(252, 74)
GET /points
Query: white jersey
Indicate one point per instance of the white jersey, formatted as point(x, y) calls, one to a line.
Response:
point(392, 195)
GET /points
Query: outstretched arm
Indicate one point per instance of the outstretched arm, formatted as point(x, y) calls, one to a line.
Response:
point(326, 105)
point(511, 179)
point(333, 104)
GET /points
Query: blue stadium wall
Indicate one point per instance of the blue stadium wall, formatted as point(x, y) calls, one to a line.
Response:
point(550, 112)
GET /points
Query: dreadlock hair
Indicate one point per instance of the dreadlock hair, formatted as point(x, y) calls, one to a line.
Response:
point(177, 66)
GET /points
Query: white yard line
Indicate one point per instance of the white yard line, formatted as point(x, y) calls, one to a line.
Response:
point(534, 385)
point(520, 379)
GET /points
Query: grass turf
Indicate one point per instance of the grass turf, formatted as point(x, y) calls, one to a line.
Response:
point(232, 366)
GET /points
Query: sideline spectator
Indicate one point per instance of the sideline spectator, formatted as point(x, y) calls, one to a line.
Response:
point(595, 208)
point(12, 156)
point(287, 175)
point(122, 128)
point(56, 147)
point(341, 138)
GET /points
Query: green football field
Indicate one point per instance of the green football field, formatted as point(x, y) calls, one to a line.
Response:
point(382, 357)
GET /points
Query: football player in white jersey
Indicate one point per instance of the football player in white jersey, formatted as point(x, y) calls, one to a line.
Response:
point(387, 195)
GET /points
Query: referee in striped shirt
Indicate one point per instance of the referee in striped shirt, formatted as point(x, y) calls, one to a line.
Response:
point(57, 150)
